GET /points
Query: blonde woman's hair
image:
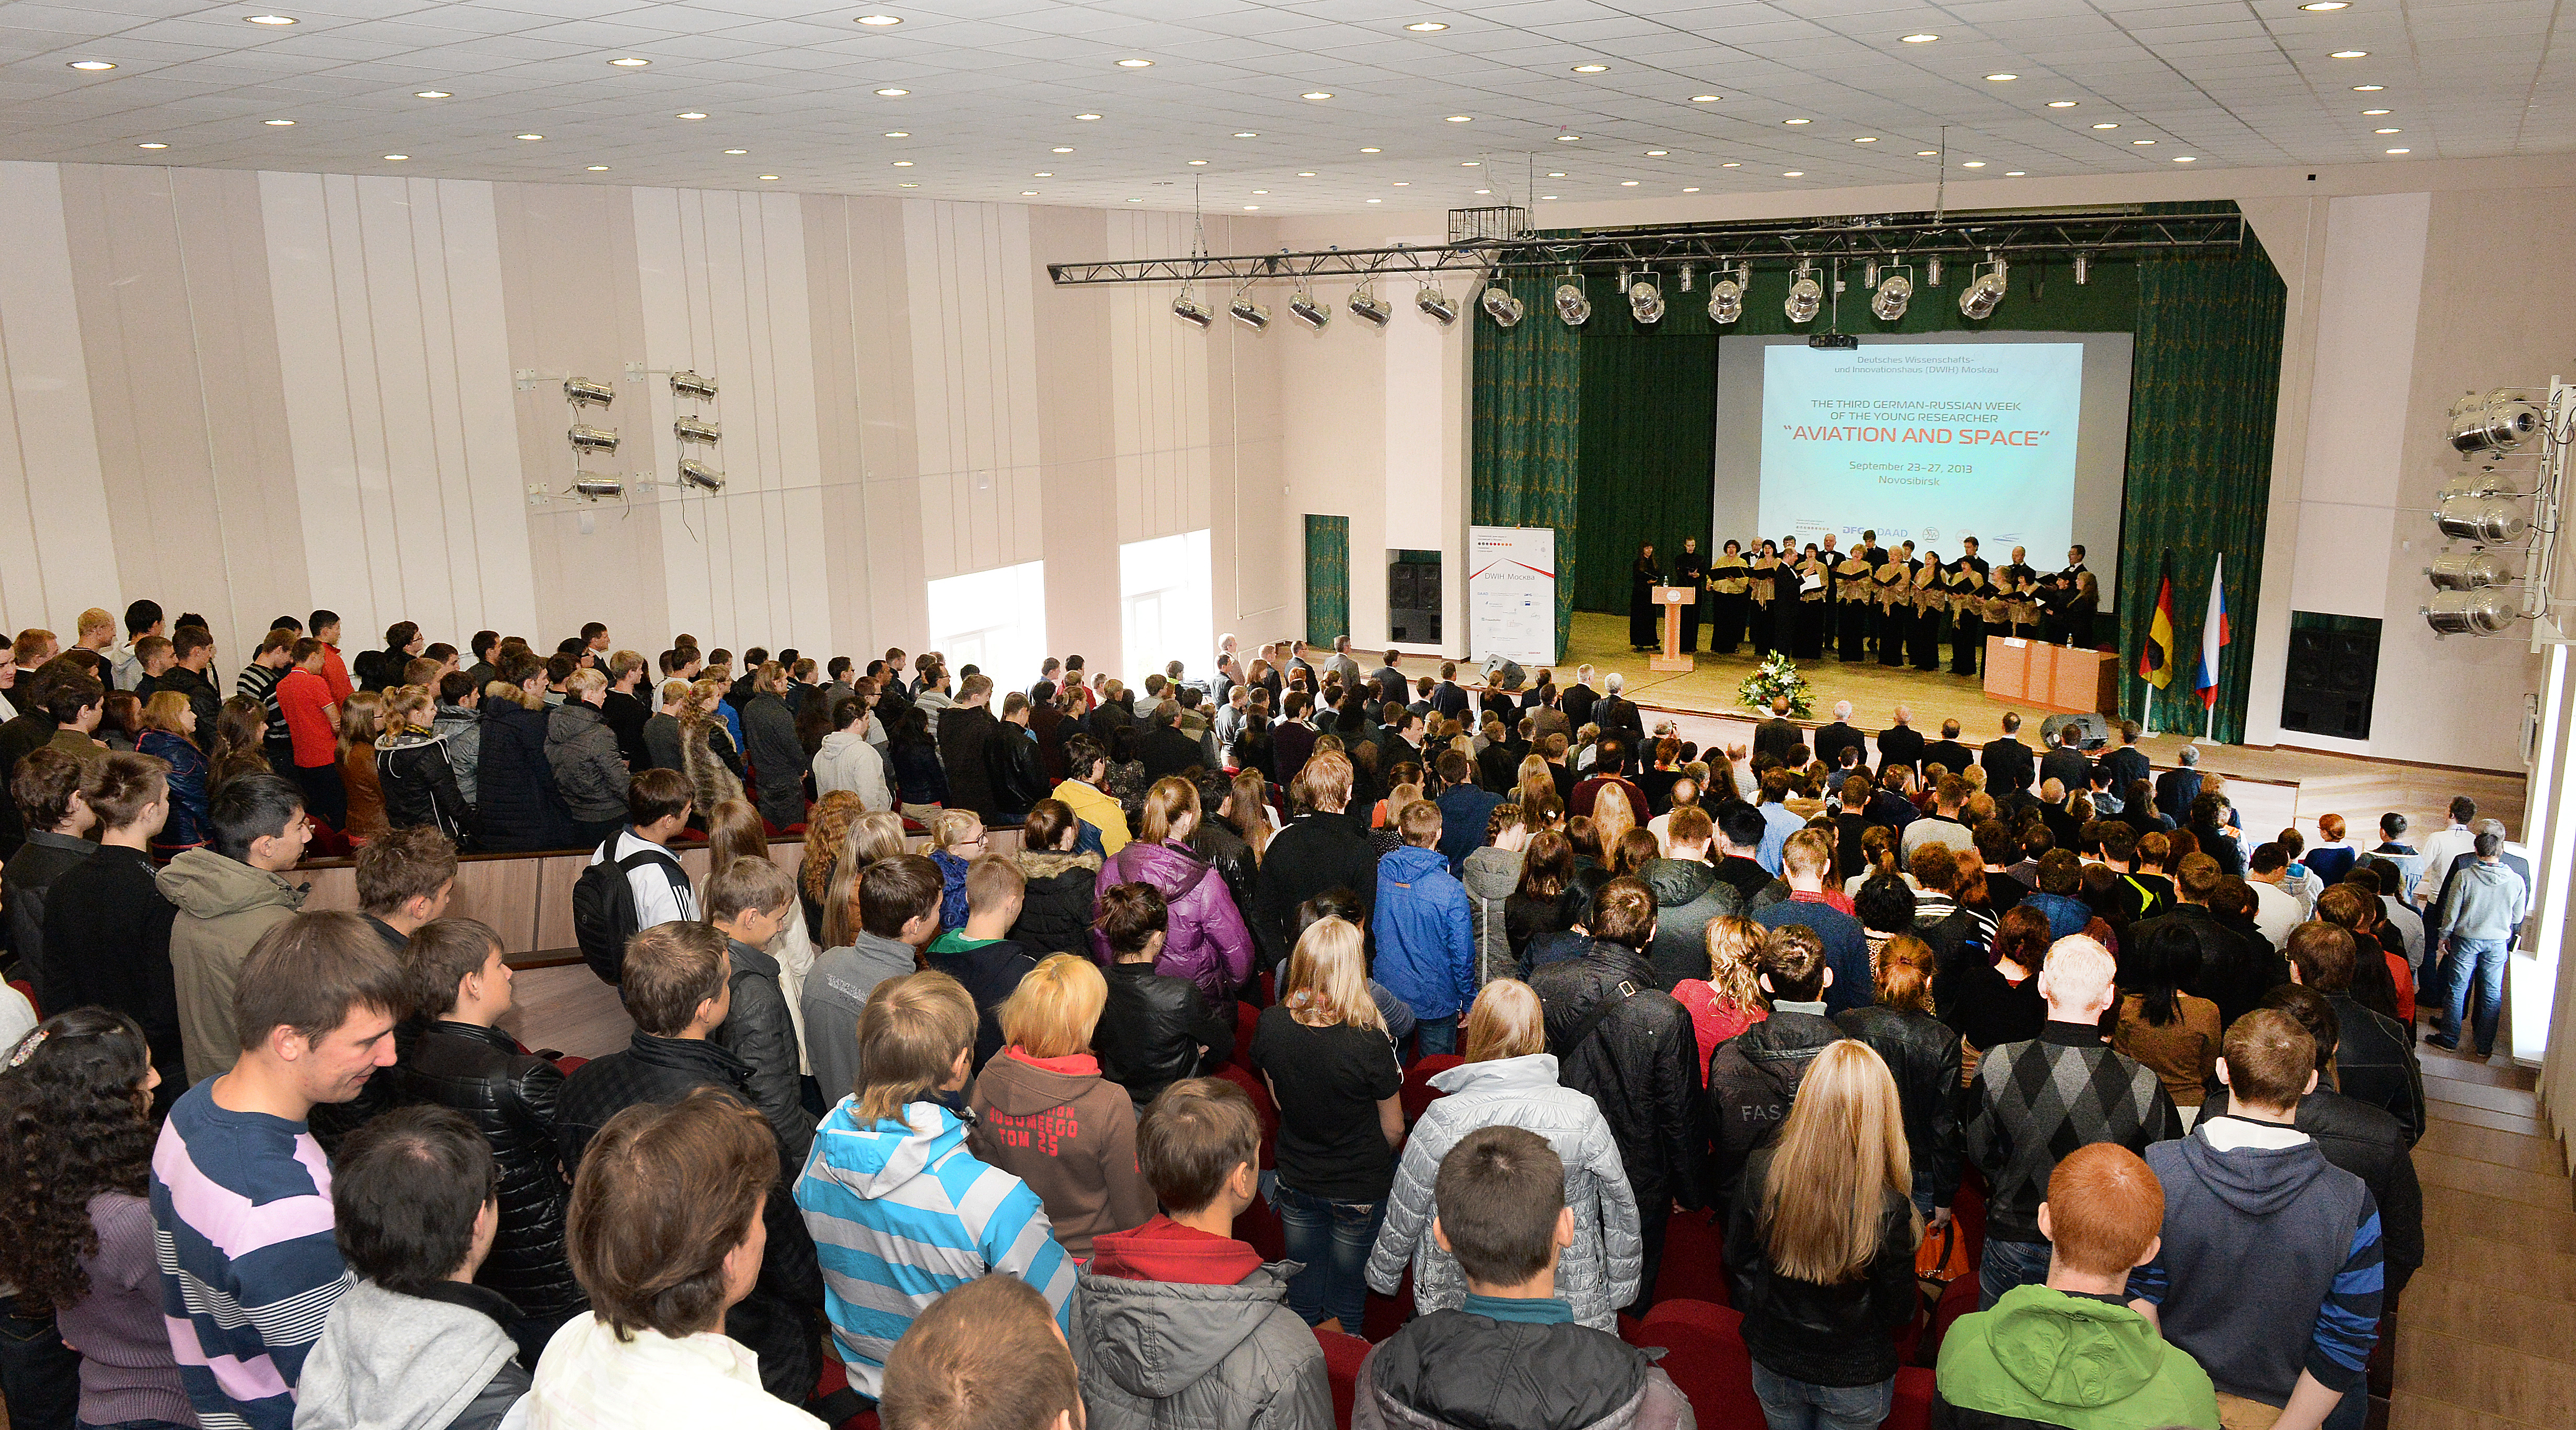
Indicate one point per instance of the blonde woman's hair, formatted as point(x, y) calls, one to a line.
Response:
point(875, 835)
point(1328, 979)
point(1171, 798)
point(1841, 1155)
point(833, 815)
point(954, 827)
point(1732, 941)
point(1057, 1005)
point(162, 713)
point(910, 1034)
point(402, 704)
point(361, 716)
point(1612, 815)
point(701, 702)
point(1505, 1023)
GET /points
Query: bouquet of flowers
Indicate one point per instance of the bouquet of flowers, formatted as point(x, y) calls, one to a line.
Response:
point(1775, 676)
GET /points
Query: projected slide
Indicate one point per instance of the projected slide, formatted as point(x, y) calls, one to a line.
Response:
point(1924, 442)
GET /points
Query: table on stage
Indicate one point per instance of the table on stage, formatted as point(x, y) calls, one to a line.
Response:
point(1674, 600)
point(2072, 680)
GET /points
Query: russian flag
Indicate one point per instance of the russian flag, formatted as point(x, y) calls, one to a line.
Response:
point(2213, 633)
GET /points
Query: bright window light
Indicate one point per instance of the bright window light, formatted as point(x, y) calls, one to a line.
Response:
point(994, 619)
point(1166, 606)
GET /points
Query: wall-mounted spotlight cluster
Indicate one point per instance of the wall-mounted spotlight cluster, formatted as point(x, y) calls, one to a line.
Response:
point(694, 429)
point(2507, 503)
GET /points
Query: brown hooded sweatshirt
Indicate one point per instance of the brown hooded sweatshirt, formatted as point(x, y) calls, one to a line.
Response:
point(1058, 1125)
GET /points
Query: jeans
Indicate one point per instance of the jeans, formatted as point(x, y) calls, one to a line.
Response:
point(2008, 1264)
point(1796, 1405)
point(1436, 1035)
point(1331, 1240)
point(2481, 959)
point(39, 1375)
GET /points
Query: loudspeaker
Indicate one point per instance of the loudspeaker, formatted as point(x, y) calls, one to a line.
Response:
point(2333, 672)
point(2097, 731)
point(1413, 599)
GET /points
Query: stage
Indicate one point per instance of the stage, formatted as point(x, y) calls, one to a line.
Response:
point(2273, 787)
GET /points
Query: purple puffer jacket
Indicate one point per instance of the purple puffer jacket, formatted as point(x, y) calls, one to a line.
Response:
point(1206, 942)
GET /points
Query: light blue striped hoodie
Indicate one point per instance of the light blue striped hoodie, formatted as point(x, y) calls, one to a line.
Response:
point(901, 1213)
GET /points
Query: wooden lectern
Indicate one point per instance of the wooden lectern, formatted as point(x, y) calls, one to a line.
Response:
point(2073, 680)
point(1674, 600)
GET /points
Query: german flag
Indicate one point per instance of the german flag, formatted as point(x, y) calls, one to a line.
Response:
point(2155, 661)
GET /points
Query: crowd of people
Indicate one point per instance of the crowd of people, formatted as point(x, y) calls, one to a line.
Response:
point(979, 1138)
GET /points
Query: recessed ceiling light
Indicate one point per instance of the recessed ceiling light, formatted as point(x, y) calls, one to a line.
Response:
point(278, 123)
point(1730, 164)
point(2375, 111)
point(1471, 163)
point(1139, 201)
point(1252, 208)
point(769, 176)
point(1196, 162)
point(2368, 88)
point(1974, 164)
point(2185, 159)
point(2142, 141)
point(1795, 174)
point(2325, 4)
point(598, 168)
point(903, 163)
point(1704, 99)
point(1690, 191)
point(1028, 193)
point(1655, 153)
point(1088, 117)
point(2388, 131)
point(1043, 174)
point(1797, 121)
point(628, 62)
point(1061, 149)
point(2401, 151)
point(2062, 104)
point(1627, 183)
point(1460, 118)
point(1371, 151)
point(1426, 27)
point(1484, 191)
point(1568, 138)
point(430, 94)
point(2016, 173)
point(906, 134)
point(1927, 153)
point(880, 19)
point(1135, 64)
point(690, 114)
point(737, 151)
point(907, 186)
point(2349, 55)
point(1374, 201)
point(1866, 139)
point(1305, 173)
point(1590, 69)
point(269, 19)
point(1556, 173)
point(1404, 183)
point(2106, 125)
point(2002, 78)
point(93, 64)
point(1920, 39)
point(1246, 134)
point(1317, 94)
point(155, 144)
point(515, 136)
point(892, 93)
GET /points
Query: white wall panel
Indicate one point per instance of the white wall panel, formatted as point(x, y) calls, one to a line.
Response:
point(974, 359)
point(56, 553)
point(1159, 386)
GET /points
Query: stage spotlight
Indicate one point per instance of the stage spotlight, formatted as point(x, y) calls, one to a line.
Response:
point(1502, 306)
point(1889, 296)
point(1573, 304)
point(582, 392)
point(1978, 300)
point(1306, 310)
point(2475, 508)
point(1725, 299)
point(1646, 301)
point(2469, 613)
point(2499, 421)
point(600, 488)
point(2083, 269)
point(592, 439)
point(1869, 274)
point(692, 386)
point(1932, 271)
point(698, 474)
point(1432, 300)
point(1251, 314)
point(1366, 306)
point(1686, 277)
point(697, 429)
point(1806, 296)
point(2467, 571)
point(1191, 311)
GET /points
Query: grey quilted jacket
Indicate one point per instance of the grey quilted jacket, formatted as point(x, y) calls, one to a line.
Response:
point(1165, 1355)
point(1598, 1274)
point(588, 768)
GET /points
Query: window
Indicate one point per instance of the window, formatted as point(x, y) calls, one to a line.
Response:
point(995, 620)
point(1166, 608)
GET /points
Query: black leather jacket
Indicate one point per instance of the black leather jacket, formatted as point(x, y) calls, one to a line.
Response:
point(1753, 1078)
point(420, 786)
point(1923, 1054)
point(510, 1095)
point(1641, 1064)
point(521, 808)
point(1824, 1335)
point(1152, 1028)
point(758, 1030)
point(1016, 769)
point(1219, 845)
point(1055, 910)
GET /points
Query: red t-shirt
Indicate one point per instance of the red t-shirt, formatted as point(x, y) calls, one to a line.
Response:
point(336, 675)
point(302, 696)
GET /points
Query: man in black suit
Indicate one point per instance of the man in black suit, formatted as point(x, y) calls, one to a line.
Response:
point(1947, 752)
point(2127, 764)
point(1449, 697)
point(1830, 740)
point(1901, 743)
point(2065, 761)
point(1618, 718)
point(2177, 788)
point(2010, 766)
point(1776, 736)
point(1577, 700)
point(1390, 682)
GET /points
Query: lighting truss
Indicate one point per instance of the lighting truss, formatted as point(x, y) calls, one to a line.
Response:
point(1890, 238)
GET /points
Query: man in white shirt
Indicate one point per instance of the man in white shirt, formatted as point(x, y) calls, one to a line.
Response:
point(1943, 825)
point(2445, 846)
point(2276, 909)
point(657, 809)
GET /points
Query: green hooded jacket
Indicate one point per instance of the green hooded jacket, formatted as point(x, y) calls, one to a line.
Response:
point(2046, 1356)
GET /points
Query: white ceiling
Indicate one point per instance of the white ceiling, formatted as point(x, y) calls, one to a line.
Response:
point(994, 86)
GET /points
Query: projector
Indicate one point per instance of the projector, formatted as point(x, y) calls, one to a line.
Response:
point(1832, 340)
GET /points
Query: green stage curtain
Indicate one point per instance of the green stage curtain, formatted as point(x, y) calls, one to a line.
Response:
point(1526, 402)
point(2202, 401)
point(1649, 408)
point(1328, 579)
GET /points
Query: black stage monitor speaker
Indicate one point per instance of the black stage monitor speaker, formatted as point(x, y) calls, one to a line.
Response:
point(2333, 672)
point(2097, 731)
point(1413, 597)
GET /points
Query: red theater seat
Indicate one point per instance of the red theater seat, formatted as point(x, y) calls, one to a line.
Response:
point(1694, 1265)
point(1342, 1357)
point(1258, 1090)
point(28, 990)
point(1912, 1408)
point(1259, 1227)
point(1705, 1356)
point(1419, 1094)
point(1247, 1020)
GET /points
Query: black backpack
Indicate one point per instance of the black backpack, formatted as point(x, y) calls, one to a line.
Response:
point(603, 907)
